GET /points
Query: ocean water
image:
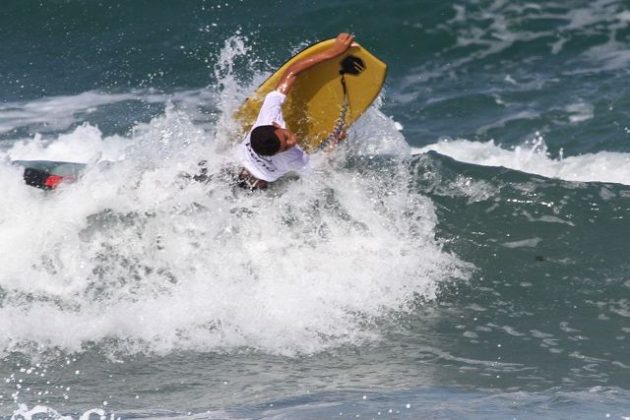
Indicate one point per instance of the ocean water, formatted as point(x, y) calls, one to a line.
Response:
point(463, 255)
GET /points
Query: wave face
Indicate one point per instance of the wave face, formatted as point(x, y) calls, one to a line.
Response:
point(466, 245)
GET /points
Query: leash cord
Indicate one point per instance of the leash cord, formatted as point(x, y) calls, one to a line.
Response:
point(340, 123)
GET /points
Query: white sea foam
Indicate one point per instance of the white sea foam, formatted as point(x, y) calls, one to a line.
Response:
point(533, 158)
point(61, 112)
point(129, 254)
point(580, 112)
point(56, 112)
point(525, 243)
point(133, 258)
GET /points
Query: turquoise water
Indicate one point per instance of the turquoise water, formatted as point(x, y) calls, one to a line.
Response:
point(463, 255)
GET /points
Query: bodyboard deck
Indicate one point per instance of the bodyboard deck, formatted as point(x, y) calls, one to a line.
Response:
point(316, 101)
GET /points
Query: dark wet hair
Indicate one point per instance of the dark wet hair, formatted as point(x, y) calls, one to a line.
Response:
point(264, 140)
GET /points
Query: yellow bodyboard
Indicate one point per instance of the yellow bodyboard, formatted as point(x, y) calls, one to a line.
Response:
point(314, 103)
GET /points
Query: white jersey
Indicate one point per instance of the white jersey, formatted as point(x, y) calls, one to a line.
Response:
point(270, 168)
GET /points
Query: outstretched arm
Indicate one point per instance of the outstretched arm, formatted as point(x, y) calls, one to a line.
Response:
point(341, 45)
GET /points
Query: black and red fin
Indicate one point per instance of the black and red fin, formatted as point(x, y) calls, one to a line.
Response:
point(48, 175)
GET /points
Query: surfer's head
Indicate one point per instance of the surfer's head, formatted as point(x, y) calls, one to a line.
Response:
point(267, 140)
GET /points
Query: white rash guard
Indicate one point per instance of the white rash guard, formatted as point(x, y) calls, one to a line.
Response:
point(270, 168)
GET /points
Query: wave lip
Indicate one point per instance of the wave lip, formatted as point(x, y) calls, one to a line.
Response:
point(533, 158)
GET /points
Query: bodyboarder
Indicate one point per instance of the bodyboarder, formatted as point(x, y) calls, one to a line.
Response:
point(270, 149)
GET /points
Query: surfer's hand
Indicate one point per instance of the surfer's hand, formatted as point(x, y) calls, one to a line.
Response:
point(342, 43)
